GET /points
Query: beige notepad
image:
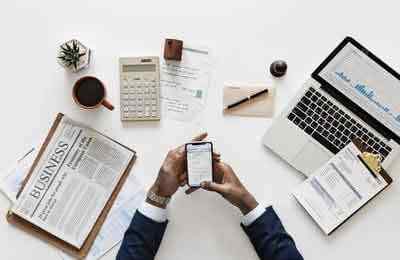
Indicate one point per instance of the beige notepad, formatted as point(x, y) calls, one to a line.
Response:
point(261, 106)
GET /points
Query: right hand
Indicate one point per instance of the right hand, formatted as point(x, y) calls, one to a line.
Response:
point(172, 173)
point(229, 186)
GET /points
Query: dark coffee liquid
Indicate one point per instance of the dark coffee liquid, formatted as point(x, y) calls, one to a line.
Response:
point(89, 92)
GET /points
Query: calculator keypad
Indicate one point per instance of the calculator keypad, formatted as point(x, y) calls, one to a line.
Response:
point(140, 96)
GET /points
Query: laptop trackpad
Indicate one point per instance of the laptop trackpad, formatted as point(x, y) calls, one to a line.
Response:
point(310, 158)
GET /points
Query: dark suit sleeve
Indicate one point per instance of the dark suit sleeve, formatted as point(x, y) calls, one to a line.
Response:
point(142, 239)
point(270, 239)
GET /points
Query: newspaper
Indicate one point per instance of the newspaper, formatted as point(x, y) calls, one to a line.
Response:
point(72, 182)
point(118, 220)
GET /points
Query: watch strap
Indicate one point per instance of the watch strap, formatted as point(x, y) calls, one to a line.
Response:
point(163, 201)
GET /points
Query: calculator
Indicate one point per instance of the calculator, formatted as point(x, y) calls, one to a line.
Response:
point(140, 88)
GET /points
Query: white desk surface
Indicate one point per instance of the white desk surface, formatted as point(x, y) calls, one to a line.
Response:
point(245, 37)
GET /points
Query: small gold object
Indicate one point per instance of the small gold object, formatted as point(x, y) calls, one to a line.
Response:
point(373, 161)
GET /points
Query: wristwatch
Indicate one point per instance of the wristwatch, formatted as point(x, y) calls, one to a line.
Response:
point(162, 201)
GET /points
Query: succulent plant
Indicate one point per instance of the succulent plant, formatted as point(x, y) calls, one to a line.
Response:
point(70, 54)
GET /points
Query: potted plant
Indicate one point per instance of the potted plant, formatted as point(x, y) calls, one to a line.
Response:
point(74, 56)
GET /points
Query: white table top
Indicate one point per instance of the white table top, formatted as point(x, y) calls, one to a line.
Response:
point(245, 37)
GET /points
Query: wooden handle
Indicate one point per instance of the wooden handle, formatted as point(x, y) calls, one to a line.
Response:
point(107, 105)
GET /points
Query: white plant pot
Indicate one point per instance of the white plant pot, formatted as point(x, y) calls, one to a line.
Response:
point(84, 61)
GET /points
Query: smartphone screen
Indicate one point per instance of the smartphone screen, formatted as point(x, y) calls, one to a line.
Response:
point(199, 163)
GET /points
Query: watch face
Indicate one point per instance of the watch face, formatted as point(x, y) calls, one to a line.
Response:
point(166, 201)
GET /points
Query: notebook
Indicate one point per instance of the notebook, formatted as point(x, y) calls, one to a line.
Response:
point(341, 187)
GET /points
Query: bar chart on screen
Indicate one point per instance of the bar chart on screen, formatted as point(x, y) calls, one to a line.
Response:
point(366, 83)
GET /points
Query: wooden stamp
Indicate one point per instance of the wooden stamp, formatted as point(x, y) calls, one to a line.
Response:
point(173, 49)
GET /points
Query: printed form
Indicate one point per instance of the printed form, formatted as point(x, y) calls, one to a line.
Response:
point(338, 189)
point(184, 84)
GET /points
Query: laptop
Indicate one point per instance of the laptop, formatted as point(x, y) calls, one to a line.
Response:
point(352, 94)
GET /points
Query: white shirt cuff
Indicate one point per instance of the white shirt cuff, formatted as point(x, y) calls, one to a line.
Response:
point(154, 213)
point(253, 215)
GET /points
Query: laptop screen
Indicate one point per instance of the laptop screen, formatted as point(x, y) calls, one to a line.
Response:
point(366, 82)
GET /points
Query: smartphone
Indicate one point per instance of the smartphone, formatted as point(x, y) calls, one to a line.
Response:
point(199, 162)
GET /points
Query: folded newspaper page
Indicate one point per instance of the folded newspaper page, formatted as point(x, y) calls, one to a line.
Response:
point(72, 182)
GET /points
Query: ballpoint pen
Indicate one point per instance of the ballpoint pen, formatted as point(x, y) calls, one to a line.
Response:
point(247, 99)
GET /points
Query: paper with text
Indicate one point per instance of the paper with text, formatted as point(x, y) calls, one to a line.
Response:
point(11, 182)
point(118, 220)
point(338, 189)
point(184, 84)
point(72, 182)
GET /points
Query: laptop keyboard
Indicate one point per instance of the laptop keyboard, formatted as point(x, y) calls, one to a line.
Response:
point(331, 126)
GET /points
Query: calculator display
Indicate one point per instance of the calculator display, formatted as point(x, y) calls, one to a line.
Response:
point(139, 68)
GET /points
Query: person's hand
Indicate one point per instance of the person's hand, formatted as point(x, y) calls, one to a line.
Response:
point(229, 186)
point(172, 173)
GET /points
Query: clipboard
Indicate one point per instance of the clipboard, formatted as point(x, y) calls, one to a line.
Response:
point(322, 206)
point(359, 144)
point(381, 171)
point(30, 228)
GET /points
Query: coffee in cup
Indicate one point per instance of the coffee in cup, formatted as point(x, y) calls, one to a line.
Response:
point(89, 92)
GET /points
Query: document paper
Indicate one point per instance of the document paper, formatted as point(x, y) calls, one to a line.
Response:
point(184, 84)
point(338, 189)
point(11, 182)
point(72, 182)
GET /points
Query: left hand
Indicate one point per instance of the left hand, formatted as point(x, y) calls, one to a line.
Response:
point(231, 188)
point(172, 173)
